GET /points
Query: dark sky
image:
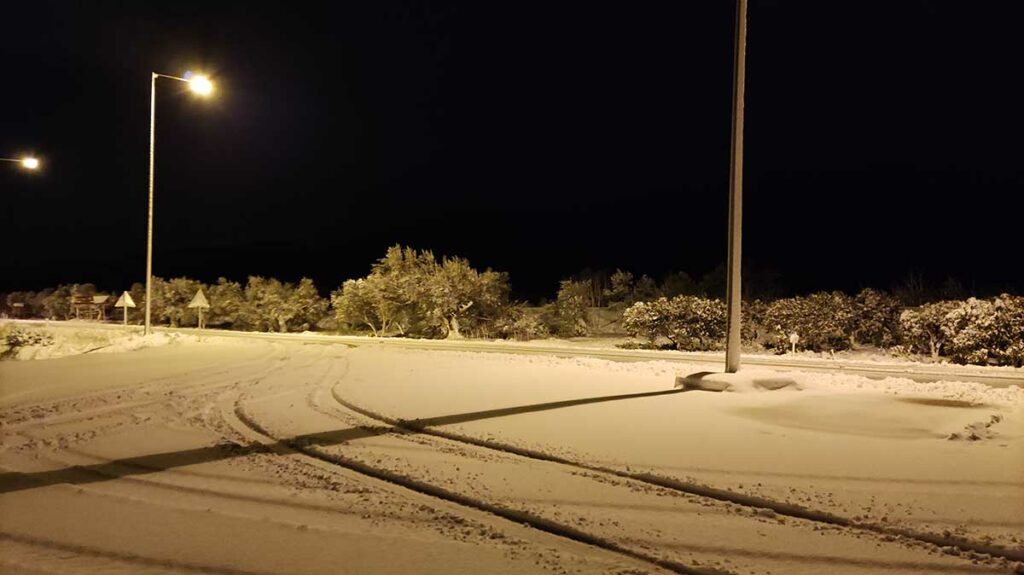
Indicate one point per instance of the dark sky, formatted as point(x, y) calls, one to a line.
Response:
point(539, 138)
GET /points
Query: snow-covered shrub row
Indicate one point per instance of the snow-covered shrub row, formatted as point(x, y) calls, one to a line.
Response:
point(13, 338)
point(689, 322)
point(411, 293)
point(973, 331)
point(823, 321)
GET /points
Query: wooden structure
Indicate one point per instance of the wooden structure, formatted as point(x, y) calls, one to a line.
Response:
point(90, 306)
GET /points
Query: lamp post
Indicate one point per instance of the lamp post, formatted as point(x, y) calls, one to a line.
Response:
point(27, 162)
point(733, 301)
point(200, 85)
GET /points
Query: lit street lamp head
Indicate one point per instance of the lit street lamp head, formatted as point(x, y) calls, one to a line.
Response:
point(30, 163)
point(200, 85)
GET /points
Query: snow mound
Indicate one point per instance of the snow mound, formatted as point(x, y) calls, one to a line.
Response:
point(743, 382)
point(24, 343)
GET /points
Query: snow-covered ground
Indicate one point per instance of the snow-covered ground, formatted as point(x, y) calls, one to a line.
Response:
point(234, 456)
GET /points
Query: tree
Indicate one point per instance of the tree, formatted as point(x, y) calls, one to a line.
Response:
point(411, 293)
point(302, 307)
point(460, 297)
point(911, 290)
point(174, 296)
point(138, 293)
point(358, 302)
point(713, 283)
point(571, 307)
point(678, 283)
point(646, 289)
point(621, 288)
point(227, 303)
point(263, 296)
point(58, 303)
point(271, 304)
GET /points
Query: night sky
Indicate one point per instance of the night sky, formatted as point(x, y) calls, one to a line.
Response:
point(539, 138)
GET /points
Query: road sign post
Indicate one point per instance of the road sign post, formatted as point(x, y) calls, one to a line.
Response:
point(125, 302)
point(200, 303)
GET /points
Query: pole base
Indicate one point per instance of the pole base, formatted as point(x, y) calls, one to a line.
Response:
point(736, 382)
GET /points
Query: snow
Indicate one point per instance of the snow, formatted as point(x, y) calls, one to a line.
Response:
point(203, 453)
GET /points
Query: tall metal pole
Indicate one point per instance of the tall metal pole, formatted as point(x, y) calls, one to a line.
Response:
point(149, 224)
point(732, 346)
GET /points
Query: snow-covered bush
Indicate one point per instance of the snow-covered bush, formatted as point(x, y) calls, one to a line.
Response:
point(691, 323)
point(968, 329)
point(754, 330)
point(986, 331)
point(1008, 330)
point(647, 320)
point(921, 329)
point(822, 320)
point(876, 318)
point(13, 338)
point(521, 324)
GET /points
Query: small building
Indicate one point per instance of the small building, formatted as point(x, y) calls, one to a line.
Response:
point(90, 306)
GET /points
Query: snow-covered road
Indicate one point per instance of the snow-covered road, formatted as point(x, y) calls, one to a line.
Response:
point(231, 456)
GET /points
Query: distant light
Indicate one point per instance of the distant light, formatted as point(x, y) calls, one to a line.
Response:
point(30, 163)
point(201, 85)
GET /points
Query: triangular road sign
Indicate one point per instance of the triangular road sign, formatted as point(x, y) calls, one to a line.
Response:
point(199, 300)
point(125, 300)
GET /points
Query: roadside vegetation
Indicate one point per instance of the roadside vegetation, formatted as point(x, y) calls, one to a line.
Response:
point(413, 293)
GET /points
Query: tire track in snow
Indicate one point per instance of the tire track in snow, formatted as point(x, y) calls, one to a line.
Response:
point(425, 488)
point(946, 543)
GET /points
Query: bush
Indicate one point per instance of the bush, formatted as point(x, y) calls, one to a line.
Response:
point(14, 338)
point(1008, 331)
point(876, 318)
point(754, 330)
point(691, 323)
point(522, 325)
point(986, 331)
point(921, 328)
point(823, 321)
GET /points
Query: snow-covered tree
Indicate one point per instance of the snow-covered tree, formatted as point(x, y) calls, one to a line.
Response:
point(621, 289)
point(271, 304)
point(646, 289)
point(571, 307)
point(409, 292)
point(58, 304)
point(678, 283)
point(174, 296)
point(227, 303)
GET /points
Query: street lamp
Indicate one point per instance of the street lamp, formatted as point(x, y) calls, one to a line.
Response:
point(28, 162)
point(202, 86)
